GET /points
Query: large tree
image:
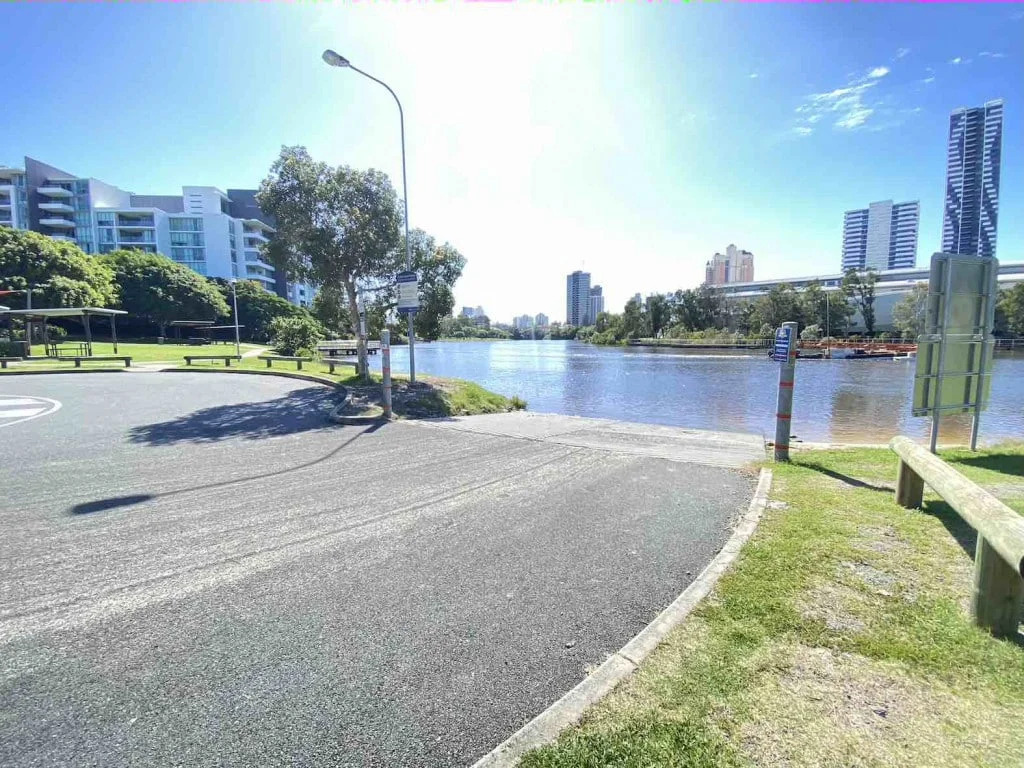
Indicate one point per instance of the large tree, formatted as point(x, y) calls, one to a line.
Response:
point(860, 286)
point(1011, 307)
point(335, 226)
point(780, 305)
point(909, 313)
point(659, 312)
point(159, 290)
point(830, 311)
point(60, 274)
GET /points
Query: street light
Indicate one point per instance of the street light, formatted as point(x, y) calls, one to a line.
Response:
point(337, 60)
point(234, 305)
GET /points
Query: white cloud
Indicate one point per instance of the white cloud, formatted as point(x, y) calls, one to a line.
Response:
point(902, 52)
point(878, 72)
point(929, 79)
point(803, 130)
point(855, 117)
point(959, 60)
point(754, 75)
point(991, 55)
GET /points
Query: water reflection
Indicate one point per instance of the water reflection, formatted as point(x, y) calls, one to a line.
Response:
point(834, 400)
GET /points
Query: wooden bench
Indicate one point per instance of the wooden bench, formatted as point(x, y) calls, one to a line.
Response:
point(346, 347)
point(290, 358)
point(198, 341)
point(332, 362)
point(5, 360)
point(226, 358)
point(100, 359)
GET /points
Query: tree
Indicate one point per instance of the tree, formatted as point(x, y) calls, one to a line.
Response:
point(257, 307)
point(908, 314)
point(438, 267)
point(830, 311)
point(697, 309)
point(61, 274)
point(295, 335)
point(335, 226)
point(860, 286)
point(160, 290)
point(635, 322)
point(329, 307)
point(782, 304)
point(1011, 307)
point(659, 312)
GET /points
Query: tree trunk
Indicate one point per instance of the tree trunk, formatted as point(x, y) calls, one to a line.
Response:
point(353, 310)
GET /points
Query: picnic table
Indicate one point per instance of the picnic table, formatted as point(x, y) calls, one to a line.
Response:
point(67, 349)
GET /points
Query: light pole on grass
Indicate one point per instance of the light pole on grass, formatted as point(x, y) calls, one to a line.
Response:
point(234, 306)
point(337, 60)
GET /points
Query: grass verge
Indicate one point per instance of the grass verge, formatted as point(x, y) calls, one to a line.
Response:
point(430, 397)
point(840, 637)
point(140, 353)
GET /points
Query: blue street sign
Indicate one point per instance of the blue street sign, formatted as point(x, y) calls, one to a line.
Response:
point(408, 292)
point(783, 343)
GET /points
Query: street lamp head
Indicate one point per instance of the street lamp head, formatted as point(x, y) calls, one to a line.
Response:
point(335, 59)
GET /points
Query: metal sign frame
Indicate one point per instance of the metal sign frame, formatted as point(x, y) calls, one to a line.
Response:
point(783, 343)
point(960, 314)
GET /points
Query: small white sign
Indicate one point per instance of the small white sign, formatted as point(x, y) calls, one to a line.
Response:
point(408, 292)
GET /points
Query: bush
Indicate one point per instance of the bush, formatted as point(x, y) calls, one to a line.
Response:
point(291, 334)
point(811, 333)
point(518, 404)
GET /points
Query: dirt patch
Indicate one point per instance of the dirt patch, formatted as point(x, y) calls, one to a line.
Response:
point(881, 539)
point(840, 709)
point(422, 400)
point(878, 581)
point(831, 603)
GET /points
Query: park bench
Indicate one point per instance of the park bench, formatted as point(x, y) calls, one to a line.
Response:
point(289, 358)
point(5, 360)
point(335, 361)
point(198, 341)
point(226, 358)
point(100, 359)
point(346, 347)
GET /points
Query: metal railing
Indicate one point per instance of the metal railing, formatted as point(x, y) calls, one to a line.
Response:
point(997, 603)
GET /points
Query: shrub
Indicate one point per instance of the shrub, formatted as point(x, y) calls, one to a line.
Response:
point(811, 333)
point(517, 403)
point(291, 334)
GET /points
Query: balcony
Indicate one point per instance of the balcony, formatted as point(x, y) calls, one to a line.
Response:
point(56, 207)
point(135, 240)
point(58, 222)
point(135, 224)
point(252, 238)
point(55, 192)
point(63, 238)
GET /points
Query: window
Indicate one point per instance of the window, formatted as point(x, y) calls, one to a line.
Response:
point(105, 218)
point(186, 238)
point(188, 254)
point(186, 224)
point(106, 235)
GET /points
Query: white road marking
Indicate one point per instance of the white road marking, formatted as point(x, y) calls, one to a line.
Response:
point(12, 413)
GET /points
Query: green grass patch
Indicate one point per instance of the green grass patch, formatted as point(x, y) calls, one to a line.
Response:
point(140, 353)
point(840, 636)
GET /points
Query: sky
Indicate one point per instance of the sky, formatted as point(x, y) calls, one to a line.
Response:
point(632, 140)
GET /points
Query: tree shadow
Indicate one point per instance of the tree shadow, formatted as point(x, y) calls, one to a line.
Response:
point(958, 528)
point(847, 479)
point(301, 410)
point(1004, 463)
point(115, 502)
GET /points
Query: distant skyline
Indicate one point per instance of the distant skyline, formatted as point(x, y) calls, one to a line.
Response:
point(629, 141)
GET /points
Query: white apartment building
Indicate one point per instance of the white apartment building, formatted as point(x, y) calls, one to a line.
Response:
point(881, 236)
point(204, 228)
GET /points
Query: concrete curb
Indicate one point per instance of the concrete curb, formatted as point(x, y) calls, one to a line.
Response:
point(546, 726)
point(281, 374)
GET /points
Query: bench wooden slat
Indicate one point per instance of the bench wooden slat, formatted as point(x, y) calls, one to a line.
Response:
point(297, 359)
point(226, 358)
point(79, 359)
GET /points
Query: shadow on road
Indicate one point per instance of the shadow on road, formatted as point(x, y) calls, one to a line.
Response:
point(302, 410)
point(101, 505)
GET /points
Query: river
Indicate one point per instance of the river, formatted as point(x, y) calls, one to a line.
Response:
point(834, 400)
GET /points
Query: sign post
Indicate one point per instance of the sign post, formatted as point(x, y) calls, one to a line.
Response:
point(408, 303)
point(385, 369)
point(784, 352)
point(364, 368)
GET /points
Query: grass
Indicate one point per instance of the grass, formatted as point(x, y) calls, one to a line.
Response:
point(840, 637)
point(140, 353)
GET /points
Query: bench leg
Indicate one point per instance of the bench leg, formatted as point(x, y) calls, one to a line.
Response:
point(3, 363)
point(269, 361)
point(127, 363)
point(299, 364)
point(78, 363)
point(227, 362)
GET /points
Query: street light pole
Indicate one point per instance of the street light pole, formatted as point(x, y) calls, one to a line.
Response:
point(234, 305)
point(337, 60)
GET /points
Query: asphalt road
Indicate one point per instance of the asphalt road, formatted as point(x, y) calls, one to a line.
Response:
point(201, 570)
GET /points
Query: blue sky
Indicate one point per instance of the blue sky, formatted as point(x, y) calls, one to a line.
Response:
point(632, 140)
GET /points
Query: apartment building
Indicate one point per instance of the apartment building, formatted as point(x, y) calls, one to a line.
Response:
point(577, 298)
point(733, 266)
point(210, 231)
point(881, 236)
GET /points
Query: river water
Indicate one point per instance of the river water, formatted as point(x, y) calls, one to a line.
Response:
point(834, 400)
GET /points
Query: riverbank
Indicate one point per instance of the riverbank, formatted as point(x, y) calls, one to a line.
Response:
point(840, 637)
